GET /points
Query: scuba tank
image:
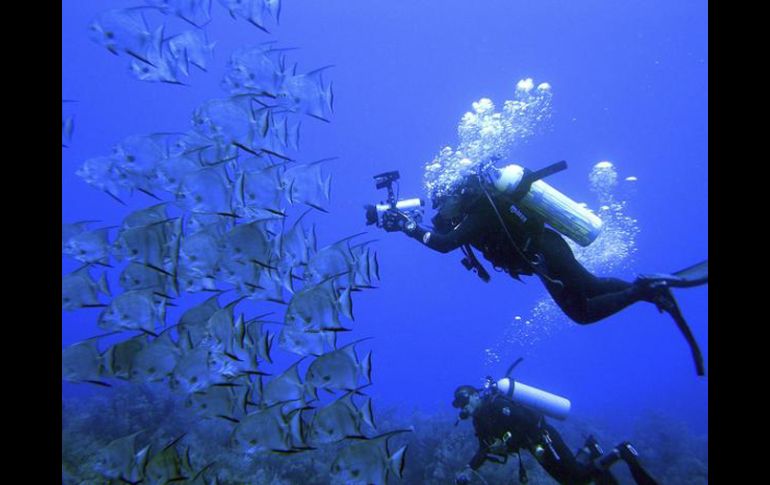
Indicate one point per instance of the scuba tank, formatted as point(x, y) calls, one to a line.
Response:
point(536, 399)
point(531, 397)
point(533, 197)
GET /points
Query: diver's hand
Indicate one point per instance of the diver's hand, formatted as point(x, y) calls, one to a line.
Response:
point(395, 220)
point(463, 477)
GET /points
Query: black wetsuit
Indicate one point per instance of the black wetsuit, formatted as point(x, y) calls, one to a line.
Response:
point(583, 297)
point(504, 427)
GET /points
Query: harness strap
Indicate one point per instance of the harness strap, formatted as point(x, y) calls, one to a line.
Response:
point(530, 177)
point(472, 263)
point(523, 478)
point(535, 266)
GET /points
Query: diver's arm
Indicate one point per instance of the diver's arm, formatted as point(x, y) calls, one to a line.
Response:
point(442, 242)
point(479, 458)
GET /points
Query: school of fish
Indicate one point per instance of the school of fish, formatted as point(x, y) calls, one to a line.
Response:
point(227, 220)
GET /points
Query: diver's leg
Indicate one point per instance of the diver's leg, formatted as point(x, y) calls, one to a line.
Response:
point(557, 459)
point(631, 457)
point(609, 296)
point(627, 453)
point(584, 297)
point(590, 452)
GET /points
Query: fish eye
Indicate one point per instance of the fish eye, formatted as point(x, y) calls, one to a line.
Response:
point(327, 378)
point(355, 472)
point(109, 34)
point(194, 379)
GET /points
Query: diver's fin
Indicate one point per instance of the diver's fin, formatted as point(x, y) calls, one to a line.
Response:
point(668, 303)
point(695, 275)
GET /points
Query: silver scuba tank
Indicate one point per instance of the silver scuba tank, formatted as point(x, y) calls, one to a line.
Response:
point(559, 211)
point(536, 399)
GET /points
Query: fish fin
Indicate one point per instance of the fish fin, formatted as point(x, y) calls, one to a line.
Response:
point(346, 303)
point(228, 418)
point(114, 197)
point(268, 345)
point(318, 117)
point(367, 367)
point(327, 187)
point(144, 191)
point(312, 390)
point(276, 154)
point(103, 285)
point(260, 27)
point(148, 332)
point(245, 148)
point(336, 329)
point(139, 57)
point(396, 461)
point(98, 383)
point(316, 71)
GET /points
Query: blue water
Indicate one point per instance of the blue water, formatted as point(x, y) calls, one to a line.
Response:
point(629, 83)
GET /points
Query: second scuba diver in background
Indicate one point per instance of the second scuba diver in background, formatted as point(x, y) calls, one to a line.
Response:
point(509, 417)
point(503, 213)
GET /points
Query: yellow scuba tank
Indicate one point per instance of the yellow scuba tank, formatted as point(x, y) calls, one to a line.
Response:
point(541, 200)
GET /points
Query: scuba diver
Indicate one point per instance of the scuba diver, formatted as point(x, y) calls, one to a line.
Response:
point(503, 213)
point(509, 416)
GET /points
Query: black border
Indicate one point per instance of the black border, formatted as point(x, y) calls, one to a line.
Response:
point(35, 195)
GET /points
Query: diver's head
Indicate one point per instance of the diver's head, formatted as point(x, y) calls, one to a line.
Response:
point(448, 206)
point(452, 204)
point(468, 400)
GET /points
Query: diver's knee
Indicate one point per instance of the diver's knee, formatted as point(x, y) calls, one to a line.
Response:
point(582, 316)
point(574, 311)
point(583, 319)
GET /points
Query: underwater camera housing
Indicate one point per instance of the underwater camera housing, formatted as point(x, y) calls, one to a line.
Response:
point(388, 214)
